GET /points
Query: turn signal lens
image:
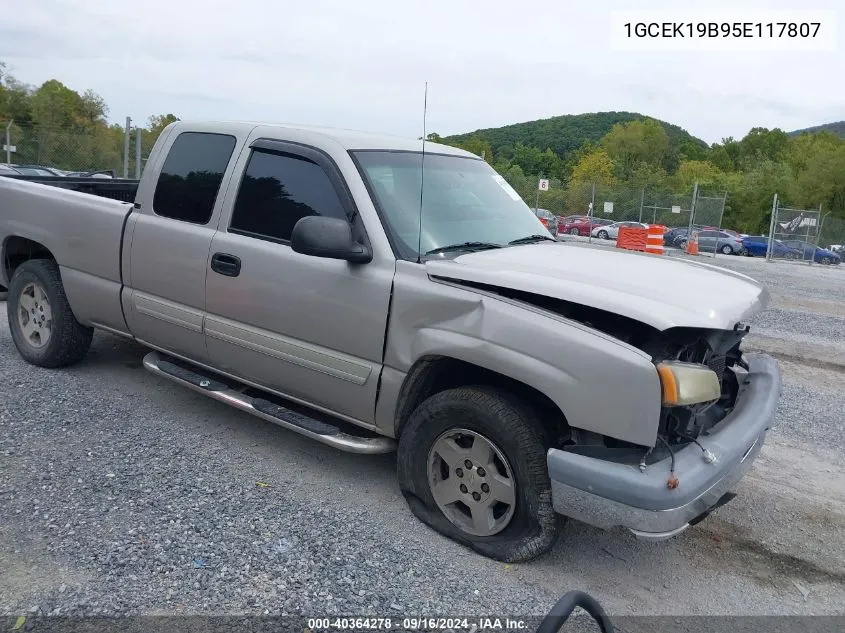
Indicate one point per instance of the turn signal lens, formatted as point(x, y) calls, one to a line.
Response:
point(687, 383)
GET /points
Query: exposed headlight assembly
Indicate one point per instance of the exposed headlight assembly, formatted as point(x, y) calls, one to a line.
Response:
point(687, 383)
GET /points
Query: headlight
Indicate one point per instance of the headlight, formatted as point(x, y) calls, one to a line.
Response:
point(687, 383)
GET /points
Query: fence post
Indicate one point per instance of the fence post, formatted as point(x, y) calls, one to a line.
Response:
point(642, 201)
point(9, 142)
point(692, 209)
point(591, 213)
point(126, 135)
point(772, 228)
point(138, 153)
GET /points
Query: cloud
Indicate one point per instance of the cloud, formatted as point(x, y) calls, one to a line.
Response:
point(363, 65)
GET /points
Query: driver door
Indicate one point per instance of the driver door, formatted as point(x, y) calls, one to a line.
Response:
point(308, 328)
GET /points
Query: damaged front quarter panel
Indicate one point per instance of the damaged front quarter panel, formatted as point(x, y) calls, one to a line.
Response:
point(600, 383)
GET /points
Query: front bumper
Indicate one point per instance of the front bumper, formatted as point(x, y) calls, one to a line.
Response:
point(608, 494)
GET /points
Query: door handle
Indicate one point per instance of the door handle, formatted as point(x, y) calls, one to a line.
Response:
point(226, 264)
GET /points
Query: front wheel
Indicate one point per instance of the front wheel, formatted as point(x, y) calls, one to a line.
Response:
point(826, 261)
point(603, 235)
point(574, 231)
point(43, 327)
point(472, 465)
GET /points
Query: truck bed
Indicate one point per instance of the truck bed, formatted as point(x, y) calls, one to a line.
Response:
point(83, 232)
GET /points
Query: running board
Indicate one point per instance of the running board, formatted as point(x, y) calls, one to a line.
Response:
point(267, 410)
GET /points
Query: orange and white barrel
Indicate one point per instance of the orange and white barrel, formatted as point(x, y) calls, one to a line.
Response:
point(654, 239)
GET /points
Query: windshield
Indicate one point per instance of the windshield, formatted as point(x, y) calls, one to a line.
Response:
point(464, 201)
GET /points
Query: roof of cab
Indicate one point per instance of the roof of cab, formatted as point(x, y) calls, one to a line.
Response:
point(348, 139)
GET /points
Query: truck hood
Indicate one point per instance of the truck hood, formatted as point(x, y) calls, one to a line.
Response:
point(661, 291)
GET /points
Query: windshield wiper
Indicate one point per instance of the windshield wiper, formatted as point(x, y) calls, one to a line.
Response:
point(528, 239)
point(464, 246)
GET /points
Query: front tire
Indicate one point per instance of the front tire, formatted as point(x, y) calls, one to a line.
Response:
point(574, 231)
point(42, 324)
point(603, 235)
point(472, 465)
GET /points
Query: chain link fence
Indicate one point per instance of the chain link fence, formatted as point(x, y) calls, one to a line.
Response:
point(583, 208)
point(71, 149)
point(804, 235)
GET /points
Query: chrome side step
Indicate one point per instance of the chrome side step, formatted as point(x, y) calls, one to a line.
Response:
point(266, 409)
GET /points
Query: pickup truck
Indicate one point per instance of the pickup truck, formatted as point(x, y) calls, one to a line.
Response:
point(379, 294)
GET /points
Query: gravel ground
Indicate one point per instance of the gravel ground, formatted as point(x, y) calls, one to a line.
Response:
point(123, 493)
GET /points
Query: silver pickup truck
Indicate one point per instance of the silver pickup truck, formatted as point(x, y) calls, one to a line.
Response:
point(377, 295)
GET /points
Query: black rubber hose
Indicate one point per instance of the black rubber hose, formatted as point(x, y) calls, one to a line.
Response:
point(564, 607)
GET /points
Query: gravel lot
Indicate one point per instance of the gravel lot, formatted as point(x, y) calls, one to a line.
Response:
point(123, 493)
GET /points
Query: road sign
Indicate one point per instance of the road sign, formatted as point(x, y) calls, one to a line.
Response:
point(676, 208)
point(10, 148)
point(608, 207)
point(543, 185)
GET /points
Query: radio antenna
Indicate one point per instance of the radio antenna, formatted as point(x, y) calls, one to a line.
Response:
point(422, 174)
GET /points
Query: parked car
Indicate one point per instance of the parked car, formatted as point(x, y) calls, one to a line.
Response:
point(757, 245)
point(297, 287)
point(816, 253)
point(37, 170)
point(718, 242)
point(611, 231)
point(7, 170)
point(549, 220)
point(583, 226)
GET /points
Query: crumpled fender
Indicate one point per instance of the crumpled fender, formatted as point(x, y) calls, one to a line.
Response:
point(599, 383)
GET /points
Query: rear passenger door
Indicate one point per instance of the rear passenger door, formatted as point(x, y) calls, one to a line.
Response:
point(309, 328)
point(168, 258)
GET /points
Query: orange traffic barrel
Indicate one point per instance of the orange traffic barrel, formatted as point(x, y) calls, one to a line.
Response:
point(654, 239)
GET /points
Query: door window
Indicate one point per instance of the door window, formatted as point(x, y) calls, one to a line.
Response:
point(277, 190)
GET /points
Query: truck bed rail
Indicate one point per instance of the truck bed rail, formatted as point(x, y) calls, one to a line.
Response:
point(115, 188)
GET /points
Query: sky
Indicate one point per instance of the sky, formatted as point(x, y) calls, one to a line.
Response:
point(364, 64)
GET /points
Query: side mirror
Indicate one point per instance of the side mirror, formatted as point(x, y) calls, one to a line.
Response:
point(321, 236)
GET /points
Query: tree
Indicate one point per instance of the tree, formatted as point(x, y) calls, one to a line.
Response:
point(635, 143)
point(760, 145)
point(157, 123)
point(595, 167)
point(701, 171)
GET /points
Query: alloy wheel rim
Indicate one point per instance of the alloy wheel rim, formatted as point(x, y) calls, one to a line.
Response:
point(35, 316)
point(472, 482)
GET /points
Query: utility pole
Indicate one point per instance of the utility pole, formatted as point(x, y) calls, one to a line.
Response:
point(126, 135)
point(137, 153)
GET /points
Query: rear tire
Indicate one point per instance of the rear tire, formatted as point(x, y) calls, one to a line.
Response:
point(42, 324)
point(455, 420)
point(574, 231)
point(603, 235)
point(727, 250)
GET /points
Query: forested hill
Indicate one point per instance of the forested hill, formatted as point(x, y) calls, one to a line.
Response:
point(567, 133)
point(837, 128)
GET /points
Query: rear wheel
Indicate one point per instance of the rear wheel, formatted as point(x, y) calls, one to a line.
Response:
point(574, 231)
point(472, 465)
point(43, 327)
point(727, 250)
point(603, 234)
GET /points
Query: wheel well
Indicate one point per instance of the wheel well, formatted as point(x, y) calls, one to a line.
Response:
point(434, 374)
point(18, 250)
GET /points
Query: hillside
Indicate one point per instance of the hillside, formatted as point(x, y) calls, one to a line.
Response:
point(565, 134)
point(837, 128)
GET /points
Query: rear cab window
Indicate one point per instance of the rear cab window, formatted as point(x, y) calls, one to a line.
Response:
point(191, 176)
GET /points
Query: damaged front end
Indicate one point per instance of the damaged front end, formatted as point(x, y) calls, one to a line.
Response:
point(717, 350)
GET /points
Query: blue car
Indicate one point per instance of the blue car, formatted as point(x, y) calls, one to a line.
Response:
point(819, 255)
point(757, 245)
